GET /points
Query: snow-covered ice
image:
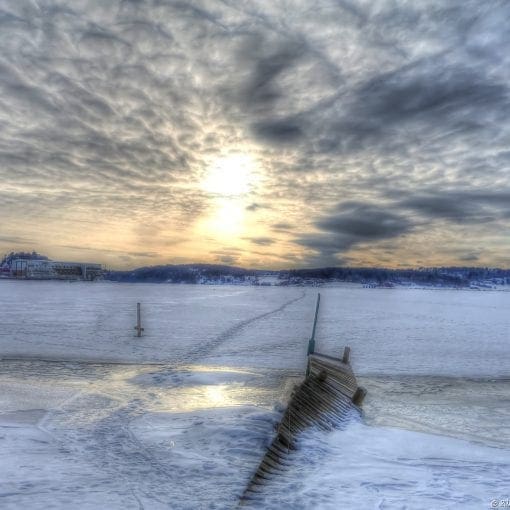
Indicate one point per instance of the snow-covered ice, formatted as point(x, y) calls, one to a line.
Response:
point(118, 436)
point(180, 417)
point(406, 331)
point(389, 468)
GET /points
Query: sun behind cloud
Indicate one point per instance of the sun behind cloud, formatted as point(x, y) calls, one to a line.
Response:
point(228, 180)
point(230, 175)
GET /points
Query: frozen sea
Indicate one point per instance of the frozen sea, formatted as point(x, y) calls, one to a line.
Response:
point(93, 417)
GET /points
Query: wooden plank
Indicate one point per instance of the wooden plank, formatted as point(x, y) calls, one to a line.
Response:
point(323, 400)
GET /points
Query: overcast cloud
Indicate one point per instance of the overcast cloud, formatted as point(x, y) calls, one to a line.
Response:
point(379, 131)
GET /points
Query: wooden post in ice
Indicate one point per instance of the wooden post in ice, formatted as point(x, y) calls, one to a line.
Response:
point(347, 355)
point(359, 395)
point(311, 343)
point(138, 326)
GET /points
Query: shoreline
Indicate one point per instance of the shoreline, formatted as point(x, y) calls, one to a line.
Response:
point(316, 285)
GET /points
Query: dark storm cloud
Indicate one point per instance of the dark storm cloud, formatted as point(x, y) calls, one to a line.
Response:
point(364, 221)
point(468, 207)
point(353, 223)
point(262, 89)
point(402, 108)
point(430, 90)
point(453, 92)
point(407, 107)
point(279, 131)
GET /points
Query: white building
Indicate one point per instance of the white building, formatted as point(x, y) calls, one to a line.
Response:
point(40, 269)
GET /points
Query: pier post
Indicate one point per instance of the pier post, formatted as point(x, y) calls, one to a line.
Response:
point(347, 355)
point(138, 326)
point(311, 343)
point(359, 396)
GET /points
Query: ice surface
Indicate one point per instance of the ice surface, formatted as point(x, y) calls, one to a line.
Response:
point(122, 437)
point(473, 409)
point(383, 468)
point(80, 321)
point(405, 331)
point(181, 417)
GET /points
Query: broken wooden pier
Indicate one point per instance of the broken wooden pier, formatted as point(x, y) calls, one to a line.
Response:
point(326, 399)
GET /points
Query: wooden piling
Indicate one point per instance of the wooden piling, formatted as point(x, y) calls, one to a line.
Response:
point(347, 355)
point(325, 399)
point(311, 343)
point(359, 396)
point(138, 326)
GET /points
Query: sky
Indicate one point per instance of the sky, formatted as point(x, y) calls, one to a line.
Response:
point(268, 134)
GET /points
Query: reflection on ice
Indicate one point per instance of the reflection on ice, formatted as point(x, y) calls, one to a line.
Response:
point(126, 435)
point(196, 387)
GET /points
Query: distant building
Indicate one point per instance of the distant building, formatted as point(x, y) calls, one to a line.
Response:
point(40, 269)
point(5, 271)
point(267, 279)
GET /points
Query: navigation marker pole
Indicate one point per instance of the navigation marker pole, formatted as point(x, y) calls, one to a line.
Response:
point(138, 326)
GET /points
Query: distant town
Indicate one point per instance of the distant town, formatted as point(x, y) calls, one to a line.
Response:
point(34, 266)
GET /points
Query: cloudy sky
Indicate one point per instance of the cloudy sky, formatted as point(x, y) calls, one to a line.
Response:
point(263, 134)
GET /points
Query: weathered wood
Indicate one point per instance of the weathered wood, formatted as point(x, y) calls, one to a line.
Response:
point(347, 355)
point(325, 399)
point(311, 343)
point(138, 326)
point(359, 396)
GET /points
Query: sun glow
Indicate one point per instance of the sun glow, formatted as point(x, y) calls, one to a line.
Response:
point(228, 180)
point(231, 175)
